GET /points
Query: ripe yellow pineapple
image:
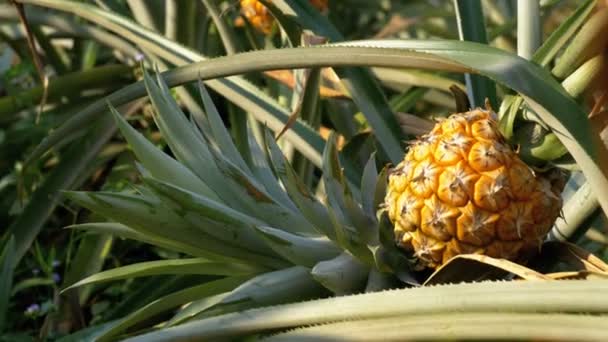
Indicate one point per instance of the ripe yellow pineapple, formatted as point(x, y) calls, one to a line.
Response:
point(462, 189)
point(259, 16)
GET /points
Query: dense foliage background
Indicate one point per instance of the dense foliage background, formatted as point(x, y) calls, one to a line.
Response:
point(56, 132)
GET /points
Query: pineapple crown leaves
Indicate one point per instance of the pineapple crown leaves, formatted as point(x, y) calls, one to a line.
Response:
point(219, 206)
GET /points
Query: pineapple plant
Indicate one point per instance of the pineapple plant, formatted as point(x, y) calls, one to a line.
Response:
point(255, 244)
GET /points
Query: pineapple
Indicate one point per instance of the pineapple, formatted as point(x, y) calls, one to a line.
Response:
point(259, 16)
point(462, 189)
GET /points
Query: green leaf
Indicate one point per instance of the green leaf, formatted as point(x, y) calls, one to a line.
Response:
point(176, 266)
point(368, 187)
point(233, 184)
point(263, 172)
point(288, 285)
point(356, 228)
point(220, 135)
point(304, 251)
point(588, 42)
point(227, 34)
point(545, 54)
point(485, 297)
point(87, 334)
point(314, 211)
point(341, 275)
point(149, 215)
point(159, 164)
point(398, 79)
point(471, 27)
point(89, 258)
point(257, 202)
point(7, 267)
point(169, 302)
point(122, 231)
point(529, 34)
point(487, 326)
point(212, 218)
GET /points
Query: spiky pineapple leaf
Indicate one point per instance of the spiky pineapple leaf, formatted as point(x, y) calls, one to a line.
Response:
point(232, 184)
point(341, 275)
point(380, 281)
point(149, 215)
point(485, 297)
point(288, 285)
point(175, 266)
point(589, 41)
point(387, 256)
point(259, 203)
point(219, 131)
point(171, 301)
point(122, 231)
point(487, 326)
point(350, 220)
point(213, 218)
point(314, 211)
point(368, 187)
point(260, 165)
point(304, 251)
point(159, 164)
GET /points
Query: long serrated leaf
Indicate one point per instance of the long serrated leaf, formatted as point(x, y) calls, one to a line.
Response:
point(304, 251)
point(159, 164)
point(171, 301)
point(513, 296)
point(485, 326)
point(174, 266)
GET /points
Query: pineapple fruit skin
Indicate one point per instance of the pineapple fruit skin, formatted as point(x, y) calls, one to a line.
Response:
point(462, 189)
point(261, 19)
